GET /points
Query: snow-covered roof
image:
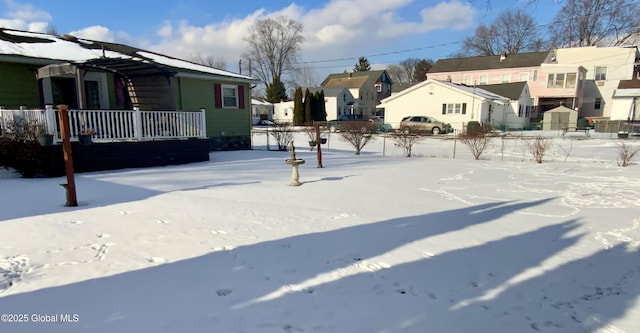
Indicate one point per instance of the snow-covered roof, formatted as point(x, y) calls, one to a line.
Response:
point(259, 102)
point(67, 48)
point(479, 92)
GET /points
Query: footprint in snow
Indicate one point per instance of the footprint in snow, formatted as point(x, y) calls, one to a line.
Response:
point(218, 232)
point(101, 235)
point(124, 212)
point(76, 222)
point(162, 221)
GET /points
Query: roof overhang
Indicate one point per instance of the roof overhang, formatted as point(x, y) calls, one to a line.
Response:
point(125, 67)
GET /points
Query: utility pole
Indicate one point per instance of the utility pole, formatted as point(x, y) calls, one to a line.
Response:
point(240, 66)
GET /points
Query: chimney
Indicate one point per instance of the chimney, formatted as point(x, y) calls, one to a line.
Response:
point(503, 56)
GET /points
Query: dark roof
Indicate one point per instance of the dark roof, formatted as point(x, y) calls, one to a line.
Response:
point(355, 82)
point(489, 62)
point(373, 75)
point(328, 91)
point(398, 87)
point(510, 90)
point(629, 84)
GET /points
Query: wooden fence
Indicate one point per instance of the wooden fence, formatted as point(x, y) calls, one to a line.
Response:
point(112, 125)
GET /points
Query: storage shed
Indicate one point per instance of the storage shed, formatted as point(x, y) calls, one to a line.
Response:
point(559, 118)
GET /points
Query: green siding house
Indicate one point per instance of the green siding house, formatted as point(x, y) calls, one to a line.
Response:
point(40, 69)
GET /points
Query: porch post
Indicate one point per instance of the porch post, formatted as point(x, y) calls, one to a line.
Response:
point(203, 122)
point(137, 118)
point(80, 89)
point(3, 125)
point(50, 116)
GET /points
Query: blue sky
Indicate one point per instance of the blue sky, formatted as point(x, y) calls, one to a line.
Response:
point(386, 31)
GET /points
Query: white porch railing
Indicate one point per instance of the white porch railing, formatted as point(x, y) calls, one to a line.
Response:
point(115, 125)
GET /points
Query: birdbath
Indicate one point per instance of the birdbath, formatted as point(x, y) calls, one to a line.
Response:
point(294, 162)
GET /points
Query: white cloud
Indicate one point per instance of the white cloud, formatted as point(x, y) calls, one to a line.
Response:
point(26, 12)
point(24, 17)
point(96, 32)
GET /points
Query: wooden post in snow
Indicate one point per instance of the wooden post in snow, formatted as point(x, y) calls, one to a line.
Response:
point(70, 186)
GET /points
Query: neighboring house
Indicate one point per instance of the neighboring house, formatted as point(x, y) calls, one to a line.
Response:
point(368, 88)
point(581, 78)
point(550, 85)
point(283, 112)
point(626, 101)
point(261, 110)
point(40, 69)
point(458, 104)
point(337, 101)
point(606, 67)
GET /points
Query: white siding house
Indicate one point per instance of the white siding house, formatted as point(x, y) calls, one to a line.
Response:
point(261, 110)
point(283, 112)
point(606, 67)
point(456, 104)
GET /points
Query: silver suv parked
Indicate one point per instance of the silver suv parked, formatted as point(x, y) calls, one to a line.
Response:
point(424, 124)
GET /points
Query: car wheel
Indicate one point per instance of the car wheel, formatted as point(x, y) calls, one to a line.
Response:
point(406, 130)
point(333, 128)
point(435, 131)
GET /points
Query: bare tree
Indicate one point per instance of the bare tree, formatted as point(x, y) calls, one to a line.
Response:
point(409, 66)
point(595, 22)
point(283, 133)
point(483, 42)
point(626, 153)
point(476, 138)
point(397, 74)
point(210, 61)
point(274, 44)
point(406, 140)
point(538, 147)
point(357, 133)
point(513, 32)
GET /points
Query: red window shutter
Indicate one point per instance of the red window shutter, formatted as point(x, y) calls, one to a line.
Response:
point(240, 97)
point(217, 91)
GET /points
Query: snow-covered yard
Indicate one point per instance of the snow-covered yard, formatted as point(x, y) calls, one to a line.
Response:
point(369, 243)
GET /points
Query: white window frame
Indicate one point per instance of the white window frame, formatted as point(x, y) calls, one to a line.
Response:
point(600, 73)
point(454, 108)
point(224, 97)
point(484, 79)
point(524, 76)
point(467, 79)
point(378, 87)
point(505, 78)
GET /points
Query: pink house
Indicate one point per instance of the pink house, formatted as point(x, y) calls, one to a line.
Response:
point(550, 84)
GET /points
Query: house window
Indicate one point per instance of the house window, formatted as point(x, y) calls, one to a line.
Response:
point(454, 108)
point(524, 76)
point(484, 79)
point(467, 79)
point(600, 73)
point(520, 110)
point(571, 80)
point(598, 103)
point(378, 87)
point(506, 78)
point(535, 75)
point(555, 80)
point(229, 96)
